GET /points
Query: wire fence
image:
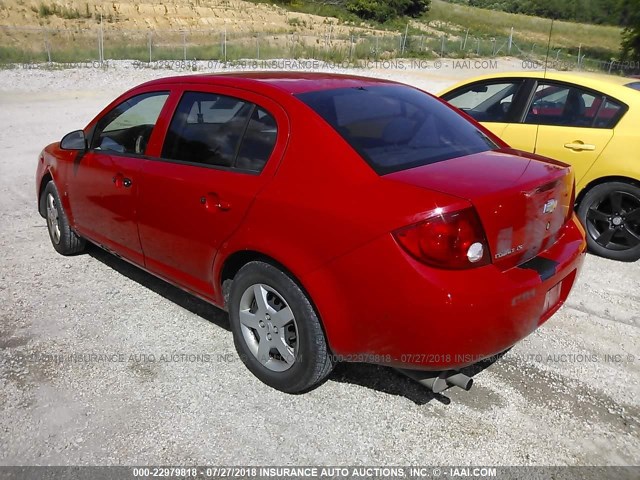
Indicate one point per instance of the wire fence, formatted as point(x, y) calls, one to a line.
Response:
point(44, 45)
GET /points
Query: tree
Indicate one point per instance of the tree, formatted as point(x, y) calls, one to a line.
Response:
point(417, 8)
point(371, 9)
point(631, 34)
point(381, 10)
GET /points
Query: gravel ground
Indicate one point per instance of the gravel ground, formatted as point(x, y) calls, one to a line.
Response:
point(567, 395)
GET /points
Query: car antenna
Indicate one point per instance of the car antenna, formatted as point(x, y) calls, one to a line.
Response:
point(544, 76)
point(546, 60)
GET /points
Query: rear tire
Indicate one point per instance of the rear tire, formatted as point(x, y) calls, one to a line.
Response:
point(610, 213)
point(276, 330)
point(63, 239)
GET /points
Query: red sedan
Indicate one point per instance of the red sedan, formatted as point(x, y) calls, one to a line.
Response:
point(334, 217)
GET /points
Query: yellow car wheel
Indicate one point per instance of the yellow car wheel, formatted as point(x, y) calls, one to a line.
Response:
point(610, 213)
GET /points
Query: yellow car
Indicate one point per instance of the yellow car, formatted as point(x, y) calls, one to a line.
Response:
point(589, 121)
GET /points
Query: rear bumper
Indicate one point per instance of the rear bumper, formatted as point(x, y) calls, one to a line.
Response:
point(379, 305)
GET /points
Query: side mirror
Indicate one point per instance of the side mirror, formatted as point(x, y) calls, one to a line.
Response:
point(74, 141)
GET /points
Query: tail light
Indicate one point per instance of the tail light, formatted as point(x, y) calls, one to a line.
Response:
point(454, 240)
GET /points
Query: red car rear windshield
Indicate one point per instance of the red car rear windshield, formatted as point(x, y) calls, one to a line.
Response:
point(396, 127)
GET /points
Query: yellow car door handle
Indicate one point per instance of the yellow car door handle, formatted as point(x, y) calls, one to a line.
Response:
point(579, 146)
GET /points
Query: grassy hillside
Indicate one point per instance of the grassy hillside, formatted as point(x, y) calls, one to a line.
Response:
point(36, 30)
point(602, 41)
point(597, 40)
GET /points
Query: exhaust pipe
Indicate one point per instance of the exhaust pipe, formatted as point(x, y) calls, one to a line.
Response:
point(438, 382)
point(432, 380)
point(458, 379)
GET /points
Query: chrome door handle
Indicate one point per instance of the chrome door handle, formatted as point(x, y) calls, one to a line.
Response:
point(579, 146)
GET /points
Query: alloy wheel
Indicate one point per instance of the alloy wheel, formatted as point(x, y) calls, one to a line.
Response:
point(53, 219)
point(268, 327)
point(614, 221)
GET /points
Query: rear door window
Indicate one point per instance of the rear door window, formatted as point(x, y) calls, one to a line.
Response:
point(220, 131)
point(571, 106)
point(258, 141)
point(396, 127)
point(609, 114)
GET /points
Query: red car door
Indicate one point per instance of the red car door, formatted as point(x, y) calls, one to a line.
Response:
point(208, 170)
point(103, 186)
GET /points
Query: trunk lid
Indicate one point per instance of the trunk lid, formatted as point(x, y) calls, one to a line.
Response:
point(523, 200)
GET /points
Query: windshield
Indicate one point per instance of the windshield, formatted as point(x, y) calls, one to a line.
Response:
point(397, 127)
point(634, 85)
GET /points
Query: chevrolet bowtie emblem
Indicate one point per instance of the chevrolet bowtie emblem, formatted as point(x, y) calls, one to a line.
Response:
point(550, 206)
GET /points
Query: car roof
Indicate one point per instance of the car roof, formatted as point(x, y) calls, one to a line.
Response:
point(287, 82)
point(609, 84)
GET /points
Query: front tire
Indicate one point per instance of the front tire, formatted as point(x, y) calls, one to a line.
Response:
point(610, 213)
point(276, 330)
point(63, 239)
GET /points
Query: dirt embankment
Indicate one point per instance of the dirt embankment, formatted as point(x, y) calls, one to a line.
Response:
point(39, 26)
point(233, 15)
